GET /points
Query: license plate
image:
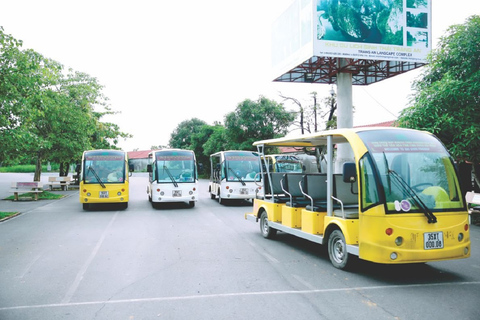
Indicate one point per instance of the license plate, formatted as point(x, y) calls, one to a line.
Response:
point(243, 191)
point(433, 240)
point(104, 194)
point(177, 193)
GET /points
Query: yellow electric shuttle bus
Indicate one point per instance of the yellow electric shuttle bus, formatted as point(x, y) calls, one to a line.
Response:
point(104, 177)
point(395, 200)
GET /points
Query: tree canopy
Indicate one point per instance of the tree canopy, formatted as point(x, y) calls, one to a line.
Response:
point(251, 121)
point(46, 112)
point(447, 94)
point(256, 120)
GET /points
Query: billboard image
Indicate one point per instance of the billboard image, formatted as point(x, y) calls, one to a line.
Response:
point(382, 30)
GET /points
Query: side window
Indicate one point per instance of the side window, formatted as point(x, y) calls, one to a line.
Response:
point(150, 174)
point(369, 187)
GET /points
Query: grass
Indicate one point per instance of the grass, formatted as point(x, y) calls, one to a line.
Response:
point(4, 215)
point(28, 168)
point(45, 195)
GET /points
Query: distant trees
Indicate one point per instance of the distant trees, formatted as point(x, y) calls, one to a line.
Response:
point(48, 113)
point(256, 120)
point(251, 121)
point(447, 95)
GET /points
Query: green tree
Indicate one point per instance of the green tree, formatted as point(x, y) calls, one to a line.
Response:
point(46, 112)
point(78, 126)
point(256, 120)
point(447, 94)
point(198, 146)
point(217, 140)
point(181, 137)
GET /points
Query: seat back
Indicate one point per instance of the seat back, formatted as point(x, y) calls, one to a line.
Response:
point(316, 186)
point(345, 191)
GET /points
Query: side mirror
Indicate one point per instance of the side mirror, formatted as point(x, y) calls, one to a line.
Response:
point(349, 172)
point(149, 168)
point(78, 168)
point(131, 168)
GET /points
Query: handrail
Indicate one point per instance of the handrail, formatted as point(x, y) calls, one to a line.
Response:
point(341, 206)
point(301, 190)
point(289, 194)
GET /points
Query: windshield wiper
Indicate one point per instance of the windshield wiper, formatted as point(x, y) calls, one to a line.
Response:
point(389, 182)
point(96, 176)
point(414, 196)
point(170, 175)
point(236, 175)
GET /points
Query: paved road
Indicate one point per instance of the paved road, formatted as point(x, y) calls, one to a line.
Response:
point(60, 262)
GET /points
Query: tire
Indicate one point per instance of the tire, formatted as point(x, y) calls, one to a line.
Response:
point(337, 250)
point(265, 229)
point(212, 196)
point(86, 206)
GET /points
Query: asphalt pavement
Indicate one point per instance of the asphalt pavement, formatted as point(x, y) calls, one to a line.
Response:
point(58, 261)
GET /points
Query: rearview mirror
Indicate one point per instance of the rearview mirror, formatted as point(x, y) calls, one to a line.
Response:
point(349, 172)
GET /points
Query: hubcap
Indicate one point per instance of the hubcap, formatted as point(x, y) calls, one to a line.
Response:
point(338, 250)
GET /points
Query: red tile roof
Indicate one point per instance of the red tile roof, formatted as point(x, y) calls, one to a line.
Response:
point(138, 154)
point(390, 123)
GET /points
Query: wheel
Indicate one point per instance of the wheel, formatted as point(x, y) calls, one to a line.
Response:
point(337, 250)
point(212, 196)
point(265, 229)
point(191, 204)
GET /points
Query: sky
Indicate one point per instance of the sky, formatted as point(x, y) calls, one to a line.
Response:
point(163, 62)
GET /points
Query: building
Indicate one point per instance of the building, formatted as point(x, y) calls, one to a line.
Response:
point(139, 159)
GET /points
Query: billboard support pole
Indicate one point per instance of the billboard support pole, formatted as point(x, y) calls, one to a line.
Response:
point(344, 112)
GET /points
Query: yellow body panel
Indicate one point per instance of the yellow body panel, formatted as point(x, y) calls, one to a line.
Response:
point(349, 228)
point(377, 246)
point(313, 222)
point(291, 217)
point(274, 210)
point(118, 193)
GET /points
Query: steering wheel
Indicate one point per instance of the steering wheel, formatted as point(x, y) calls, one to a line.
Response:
point(422, 186)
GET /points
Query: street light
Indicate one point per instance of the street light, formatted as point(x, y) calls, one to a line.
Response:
point(332, 92)
point(332, 106)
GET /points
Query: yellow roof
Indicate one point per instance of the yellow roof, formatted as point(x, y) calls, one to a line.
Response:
point(319, 138)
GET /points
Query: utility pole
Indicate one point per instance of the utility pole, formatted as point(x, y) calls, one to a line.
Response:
point(315, 108)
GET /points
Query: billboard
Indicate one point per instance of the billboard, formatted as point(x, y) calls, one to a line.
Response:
point(395, 30)
point(292, 36)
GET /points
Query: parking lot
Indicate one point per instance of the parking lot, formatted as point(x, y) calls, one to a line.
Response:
point(58, 261)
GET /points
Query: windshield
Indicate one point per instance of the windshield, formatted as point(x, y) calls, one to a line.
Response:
point(104, 167)
point(415, 171)
point(288, 164)
point(242, 166)
point(174, 167)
